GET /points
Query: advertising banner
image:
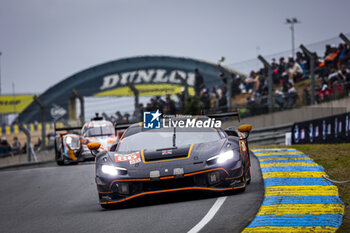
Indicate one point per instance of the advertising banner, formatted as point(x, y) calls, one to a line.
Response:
point(332, 129)
point(14, 104)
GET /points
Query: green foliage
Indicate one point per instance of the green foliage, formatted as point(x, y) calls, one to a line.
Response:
point(193, 105)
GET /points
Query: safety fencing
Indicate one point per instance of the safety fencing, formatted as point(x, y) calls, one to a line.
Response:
point(297, 196)
point(254, 64)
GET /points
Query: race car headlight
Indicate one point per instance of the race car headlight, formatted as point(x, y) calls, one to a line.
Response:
point(112, 170)
point(73, 142)
point(222, 157)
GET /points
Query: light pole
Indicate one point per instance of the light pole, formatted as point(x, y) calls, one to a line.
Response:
point(0, 72)
point(221, 60)
point(14, 98)
point(1, 115)
point(292, 21)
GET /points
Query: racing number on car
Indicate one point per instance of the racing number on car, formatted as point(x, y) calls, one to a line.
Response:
point(132, 158)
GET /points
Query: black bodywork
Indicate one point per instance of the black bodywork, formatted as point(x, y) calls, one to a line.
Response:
point(146, 172)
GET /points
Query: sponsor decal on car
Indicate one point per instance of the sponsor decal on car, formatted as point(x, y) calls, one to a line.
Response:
point(167, 152)
point(132, 158)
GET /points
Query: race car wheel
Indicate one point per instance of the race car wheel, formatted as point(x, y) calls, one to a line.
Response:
point(249, 177)
point(241, 190)
point(60, 162)
point(59, 159)
point(106, 206)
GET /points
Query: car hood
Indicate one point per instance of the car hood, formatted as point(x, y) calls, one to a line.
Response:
point(190, 157)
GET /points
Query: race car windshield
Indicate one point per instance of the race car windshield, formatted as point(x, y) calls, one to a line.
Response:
point(100, 131)
point(164, 138)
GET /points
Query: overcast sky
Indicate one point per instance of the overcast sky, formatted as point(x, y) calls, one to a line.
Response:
point(44, 41)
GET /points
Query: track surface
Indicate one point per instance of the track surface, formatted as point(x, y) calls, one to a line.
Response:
point(63, 199)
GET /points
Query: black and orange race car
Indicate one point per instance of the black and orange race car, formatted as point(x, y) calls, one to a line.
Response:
point(170, 159)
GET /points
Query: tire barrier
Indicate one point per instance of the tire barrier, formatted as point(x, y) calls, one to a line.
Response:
point(297, 196)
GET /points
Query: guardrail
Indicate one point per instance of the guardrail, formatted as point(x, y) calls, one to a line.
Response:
point(270, 135)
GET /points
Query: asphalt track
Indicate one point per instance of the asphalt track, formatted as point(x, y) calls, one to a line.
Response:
point(64, 199)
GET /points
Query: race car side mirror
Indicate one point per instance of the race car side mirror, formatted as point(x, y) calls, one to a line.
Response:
point(245, 128)
point(93, 147)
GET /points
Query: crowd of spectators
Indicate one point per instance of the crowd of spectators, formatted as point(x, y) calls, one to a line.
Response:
point(331, 72)
point(7, 150)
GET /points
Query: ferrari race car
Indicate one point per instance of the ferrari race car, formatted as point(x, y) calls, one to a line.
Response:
point(170, 159)
point(72, 147)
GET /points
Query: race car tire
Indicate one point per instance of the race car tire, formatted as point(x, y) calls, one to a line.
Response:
point(241, 190)
point(234, 191)
point(60, 162)
point(59, 159)
point(249, 176)
point(106, 206)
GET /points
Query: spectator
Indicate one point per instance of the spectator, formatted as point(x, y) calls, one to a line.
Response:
point(291, 96)
point(169, 106)
point(118, 117)
point(333, 75)
point(236, 80)
point(198, 81)
point(204, 97)
point(344, 75)
point(324, 92)
point(213, 98)
point(222, 100)
point(275, 75)
point(223, 79)
point(327, 50)
point(181, 97)
point(5, 148)
point(295, 72)
point(282, 66)
point(249, 82)
point(16, 146)
point(299, 57)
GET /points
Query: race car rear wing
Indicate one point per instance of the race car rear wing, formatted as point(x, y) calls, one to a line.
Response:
point(122, 126)
point(68, 128)
point(117, 127)
point(227, 114)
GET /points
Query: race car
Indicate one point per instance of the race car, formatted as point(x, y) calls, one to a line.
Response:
point(71, 147)
point(146, 162)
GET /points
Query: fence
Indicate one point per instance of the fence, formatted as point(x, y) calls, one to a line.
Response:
point(254, 64)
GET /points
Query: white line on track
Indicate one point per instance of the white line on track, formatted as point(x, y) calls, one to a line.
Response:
point(218, 203)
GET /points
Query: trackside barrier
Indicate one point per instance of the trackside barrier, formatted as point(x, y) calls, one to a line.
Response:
point(269, 135)
point(14, 129)
point(297, 196)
